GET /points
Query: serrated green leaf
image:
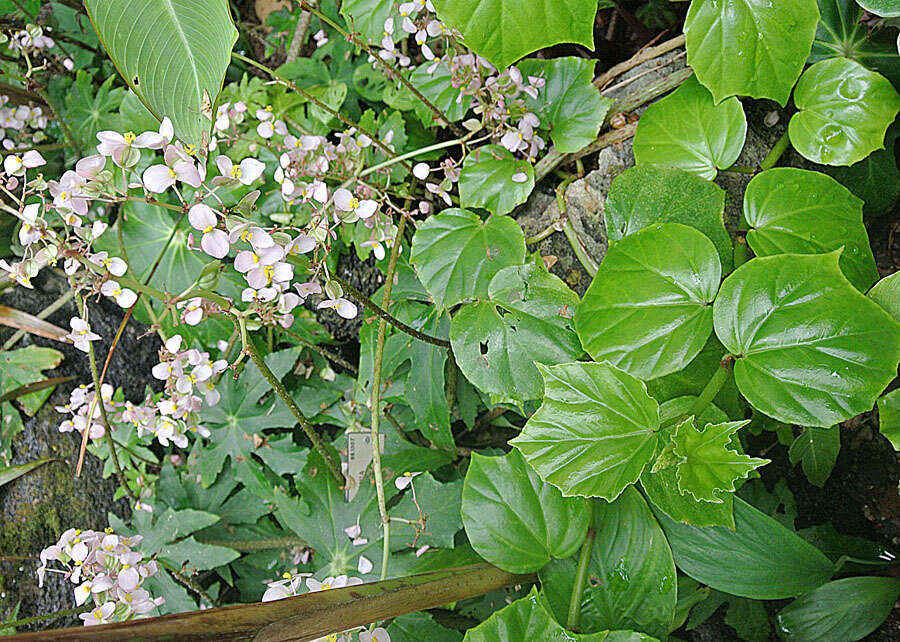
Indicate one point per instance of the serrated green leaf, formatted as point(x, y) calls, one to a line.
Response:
point(642, 196)
point(435, 502)
point(845, 111)
point(809, 348)
point(886, 293)
point(527, 619)
point(759, 559)
point(687, 130)
point(239, 416)
point(595, 431)
point(456, 254)
point(505, 30)
point(661, 486)
point(487, 180)
point(173, 54)
point(706, 463)
point(749, 48)
point(847, 609)
point(889, 417)
point(516, 521)
point(568, 104)
point(526, 320)
point(633, 583)
point(797, 211)
point(817, 450)
point(648, 309)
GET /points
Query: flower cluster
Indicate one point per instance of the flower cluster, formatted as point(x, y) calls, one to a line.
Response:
point(20, 125)
point(105, 568)
point(83, 408)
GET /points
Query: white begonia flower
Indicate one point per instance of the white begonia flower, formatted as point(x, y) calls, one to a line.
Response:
point(519, 177)
point(81, 334)
point(99, 615)
point(214, 241)
point(378, 634)
point(124, 297)
point(30, 231)
point(115, 265)
point(403, 481)
point(420, 171)
point(246, 172)
point(342, 306)
point(177, 167)
point(346, 202)
point(15, 165)
point(364, 565)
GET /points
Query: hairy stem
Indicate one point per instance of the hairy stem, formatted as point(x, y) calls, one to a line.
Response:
point(254, 545)
point(250, 348)
point(383, 314)
point(322, 351)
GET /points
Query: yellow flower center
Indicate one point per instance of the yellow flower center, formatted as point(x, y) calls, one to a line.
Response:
point(207, 229)
point(129, 137)
point(172, 173)
point(235, 172)
point(190, 150)
point(354, 203)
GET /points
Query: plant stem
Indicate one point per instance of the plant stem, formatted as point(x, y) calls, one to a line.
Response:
point(397, 323)
point(412, 154)
point(779, 148)
point(710, 390)
point(376, 399)
point(740, 169)
point(300, 32)
point(389, 70)
point(581, 574)
point(740, 250)
point(586, 260)
point(648, 53)
point(322, 351)
point(318, 103)
point(188, 582)
point(278, 387)
point(45, 617)
point(254, 545)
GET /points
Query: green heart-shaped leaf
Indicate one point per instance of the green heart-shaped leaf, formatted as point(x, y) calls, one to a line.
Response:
point(817, 450)
point(634, 565)
point(648, 194)
point(809, 348)
point(759, 559)
point(527, 320)
point(173, 54)
point(516, 521)
point(456, 254)
point(707, 465)
point(845, 111)
point(687, 130)
point(494, 179)
point(889, 417)
point(847, 609)
point(505, 30)
point(568, 104)
point(757, 49)
point(594, 432)
point(886, 293)
point(796, 211)
point(648, 309)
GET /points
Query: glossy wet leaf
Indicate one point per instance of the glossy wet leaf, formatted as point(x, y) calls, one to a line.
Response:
point(631, 572)
point(816, 449)
point(842, 34)
point(846, 609)
point(505, 30)
point(526, 320)
point(595, 431)
point(883, 8)
point(886, 293)
point(456, 254)
point(845, 111)
point(797, 211)
point(528, 619)
point(810, 349)
point(661, 486)
point(173, 55)
point(648, 194)
point(493, 179)
point(568, 104)
point(759, 559)
point(687, 130)
point(889, 417)
point(515, 520)
point(749, 47)
point(648, 309)
point(706, 461)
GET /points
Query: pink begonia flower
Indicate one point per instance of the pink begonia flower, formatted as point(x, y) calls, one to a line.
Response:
point(329, 583)
point(378, 634)
point(124, 297)
point(30, 232)
point(263, 294)
point(15, 165)
point(115, 265)
point(404, 480)
point(255, 236)
point(67, 194)
point(342, 306)
point(178, 167)
point(364, 565)
point(82, 592)
point(346, 202)
point(99, 615)
point(81, 334)
point(90, 167)
point(439, 191)
point(214, 241)
point(116, 145)
point(305, 289)
point(17, 272)
point(248, 171)
point(193, 310)
point(300, 245)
